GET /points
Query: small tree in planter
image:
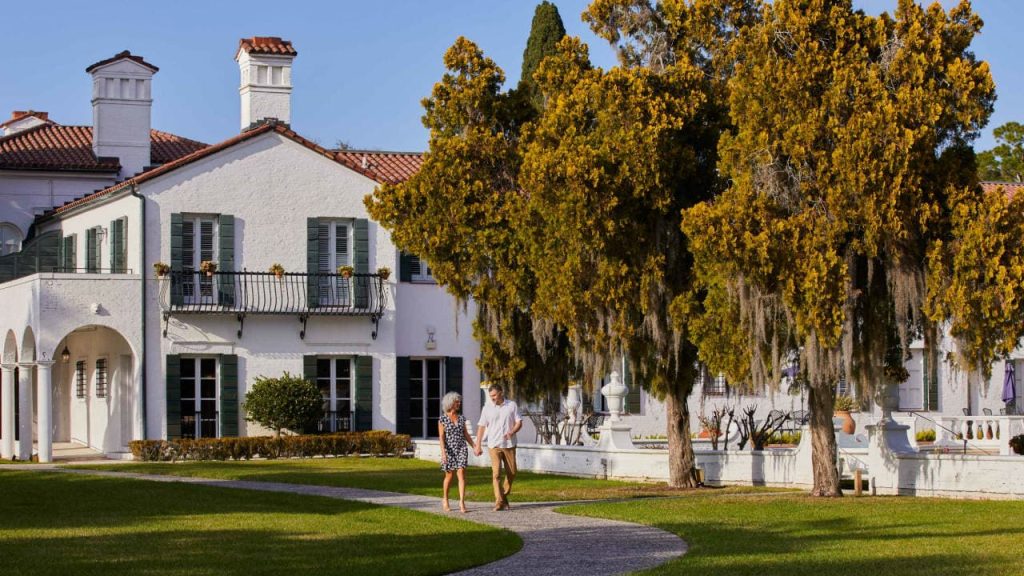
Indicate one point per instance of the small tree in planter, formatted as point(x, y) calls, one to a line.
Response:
point(1017, 443)
point(161, 269)
point(276, 269)
point(208, 267)
point(713, 424)
point(286, 402)
point(346, 271)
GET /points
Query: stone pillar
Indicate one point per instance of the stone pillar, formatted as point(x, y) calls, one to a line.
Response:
point(615, 433)
point(25, 370)
point(7, 398)
point(44, 393)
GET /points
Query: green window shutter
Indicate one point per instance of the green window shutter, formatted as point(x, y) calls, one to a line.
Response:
point(361, 260)
point(173, 374)
point(309, 367)
point(177, 245)
point(228, 395)
point(931, 381)
point(117, 246)
point(49, 252)
point(72, 253)
point(405, 262)
point(633, 398)
point(364, 393)
point(453, 374)
point(402, 395)
point(312, 262)
point(226, 255)
point(92, 251)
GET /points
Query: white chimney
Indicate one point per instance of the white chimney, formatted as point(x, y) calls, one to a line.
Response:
point(122, 89)
point(265, 64)
point(23, 120)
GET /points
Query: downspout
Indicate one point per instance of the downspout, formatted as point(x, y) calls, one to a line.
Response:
point(142, 283)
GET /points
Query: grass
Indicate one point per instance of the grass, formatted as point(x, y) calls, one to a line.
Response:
point(797, 535)
point(401, 475)
point(53, 523)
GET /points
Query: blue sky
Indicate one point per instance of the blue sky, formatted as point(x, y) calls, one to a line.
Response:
point(362, 69)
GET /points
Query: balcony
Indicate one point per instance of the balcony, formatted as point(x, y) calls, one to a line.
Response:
point(264, 293)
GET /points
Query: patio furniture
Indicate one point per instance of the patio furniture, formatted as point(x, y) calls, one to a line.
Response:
point(594, 422)
point(967, 412)
point(986, 411)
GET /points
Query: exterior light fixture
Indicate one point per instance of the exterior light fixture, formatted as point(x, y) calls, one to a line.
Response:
point(65, 354)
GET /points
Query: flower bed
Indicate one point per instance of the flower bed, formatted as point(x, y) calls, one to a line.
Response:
point(373, 443)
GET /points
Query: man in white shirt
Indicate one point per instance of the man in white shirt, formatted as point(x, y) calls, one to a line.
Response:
point(500, 420)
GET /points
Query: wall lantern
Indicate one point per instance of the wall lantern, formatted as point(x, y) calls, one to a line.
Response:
point(65, 354)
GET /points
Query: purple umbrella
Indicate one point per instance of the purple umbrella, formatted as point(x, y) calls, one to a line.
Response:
point(1009, 386)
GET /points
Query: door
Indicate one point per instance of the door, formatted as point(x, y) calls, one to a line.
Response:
point(334, 250)
point(198, 237)
point(125, 394)
point(912, 391)
point(199, 398)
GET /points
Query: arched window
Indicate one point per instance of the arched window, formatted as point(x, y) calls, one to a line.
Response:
point(10, 238)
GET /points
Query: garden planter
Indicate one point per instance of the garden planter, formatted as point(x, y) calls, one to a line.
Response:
point(849, 426)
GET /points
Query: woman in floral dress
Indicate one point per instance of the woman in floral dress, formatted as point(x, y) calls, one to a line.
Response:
point(455, 442)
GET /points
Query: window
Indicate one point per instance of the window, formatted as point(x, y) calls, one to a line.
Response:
point(198, 237)
point(420, 269)
point(334, 378)
point(334, 250)
point(118, 246)
point(717, 386)
point(81, 385)
point(426, 379)
point(92, 249)
point(199, 398)
point(101, 378)
point(10, 238)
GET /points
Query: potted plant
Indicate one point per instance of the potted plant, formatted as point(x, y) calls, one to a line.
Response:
point(1017, 443)
point(842, 407)
point(161, 269)
point(208, 267)
point(384, 272)
point(277, 270)
point(346, 271)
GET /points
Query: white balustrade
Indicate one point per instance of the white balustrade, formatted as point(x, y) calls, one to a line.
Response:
point(988, 433)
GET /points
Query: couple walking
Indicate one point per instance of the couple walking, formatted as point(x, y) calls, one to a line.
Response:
point(499, 420)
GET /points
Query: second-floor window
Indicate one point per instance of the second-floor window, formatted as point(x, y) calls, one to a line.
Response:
point(334, 250)
point(199, 236)
point(10, 238)
point(420, 270)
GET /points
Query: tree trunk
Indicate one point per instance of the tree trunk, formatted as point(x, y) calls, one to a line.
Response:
point(823, 442)
point(681, 461)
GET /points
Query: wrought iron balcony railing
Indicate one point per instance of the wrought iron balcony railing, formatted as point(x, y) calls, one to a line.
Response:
point(265, 293)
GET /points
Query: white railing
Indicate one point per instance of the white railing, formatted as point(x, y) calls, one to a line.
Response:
point(987, 433)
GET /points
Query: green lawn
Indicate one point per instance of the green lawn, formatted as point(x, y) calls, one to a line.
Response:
point(795, 535)
point(400, 475)
point(52, 523)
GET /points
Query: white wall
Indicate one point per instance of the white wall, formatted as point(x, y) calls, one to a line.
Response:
point(23, 195)
point(101, 214)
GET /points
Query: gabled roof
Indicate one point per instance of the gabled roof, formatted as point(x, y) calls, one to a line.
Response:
point(266, 45)
point(393, 166)
point(121, 56)
point(384, 167)
point(24, 114)
point(69, 148)
point(1011, 188)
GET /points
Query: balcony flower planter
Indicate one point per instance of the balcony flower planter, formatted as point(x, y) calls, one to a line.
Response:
point(208, 267)
point(384, 272)
point(277, 270)
point(345, 271)
point(161, 269)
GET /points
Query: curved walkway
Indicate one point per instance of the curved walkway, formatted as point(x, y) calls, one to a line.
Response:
point(553, 544)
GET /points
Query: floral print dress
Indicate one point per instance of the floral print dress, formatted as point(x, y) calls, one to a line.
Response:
point(455, 443)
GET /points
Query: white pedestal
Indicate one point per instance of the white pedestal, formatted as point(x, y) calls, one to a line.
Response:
point(615, 435)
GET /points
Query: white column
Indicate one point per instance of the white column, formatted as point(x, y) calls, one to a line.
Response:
point(25, 410)
point(44, 388)
point(7, 398)
point(137, 401)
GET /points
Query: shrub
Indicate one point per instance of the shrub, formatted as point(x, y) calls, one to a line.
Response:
point(785, 438)
point(843, 404)
point(925, 435)
point(372, 443)
point(286, 402)
point(1017, 443)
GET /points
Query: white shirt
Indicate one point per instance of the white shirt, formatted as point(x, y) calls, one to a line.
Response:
point(499, 421)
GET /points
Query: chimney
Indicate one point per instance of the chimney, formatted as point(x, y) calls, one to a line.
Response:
point(265, 65)
point(121, 109)
point(23, 120)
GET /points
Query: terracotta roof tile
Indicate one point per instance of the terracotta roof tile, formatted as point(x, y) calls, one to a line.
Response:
point(384, 167)
point(1011, 188)
point(120, 56)
point(266, 45)
point(390, 167)
point(69, 148)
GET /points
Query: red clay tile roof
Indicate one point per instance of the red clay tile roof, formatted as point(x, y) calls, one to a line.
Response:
point(69, 148)
point(393, 167)
point(266, 45)
point(384, 167)
point(1011, 188)
point(21, 114)
point(120, 56)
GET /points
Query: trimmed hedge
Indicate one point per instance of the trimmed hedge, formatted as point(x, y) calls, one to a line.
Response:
point(374, 443)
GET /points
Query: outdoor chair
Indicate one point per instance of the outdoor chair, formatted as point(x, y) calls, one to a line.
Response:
point(967, 412)
point(594, 422)
point(986, 411)
point(1002, 411)
point(798, 418)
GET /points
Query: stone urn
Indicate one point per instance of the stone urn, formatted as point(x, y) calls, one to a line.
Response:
point(615, 394)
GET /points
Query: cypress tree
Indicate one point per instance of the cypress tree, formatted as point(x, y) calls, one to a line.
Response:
point(545, 33)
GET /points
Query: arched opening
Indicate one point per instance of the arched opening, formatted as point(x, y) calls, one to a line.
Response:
point(10, 238)
point(9, 397)
point(93, 389)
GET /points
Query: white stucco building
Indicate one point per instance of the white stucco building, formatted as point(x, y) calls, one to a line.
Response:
point(99, 351)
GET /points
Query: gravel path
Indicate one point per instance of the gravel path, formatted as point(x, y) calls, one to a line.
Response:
point(553, 544)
